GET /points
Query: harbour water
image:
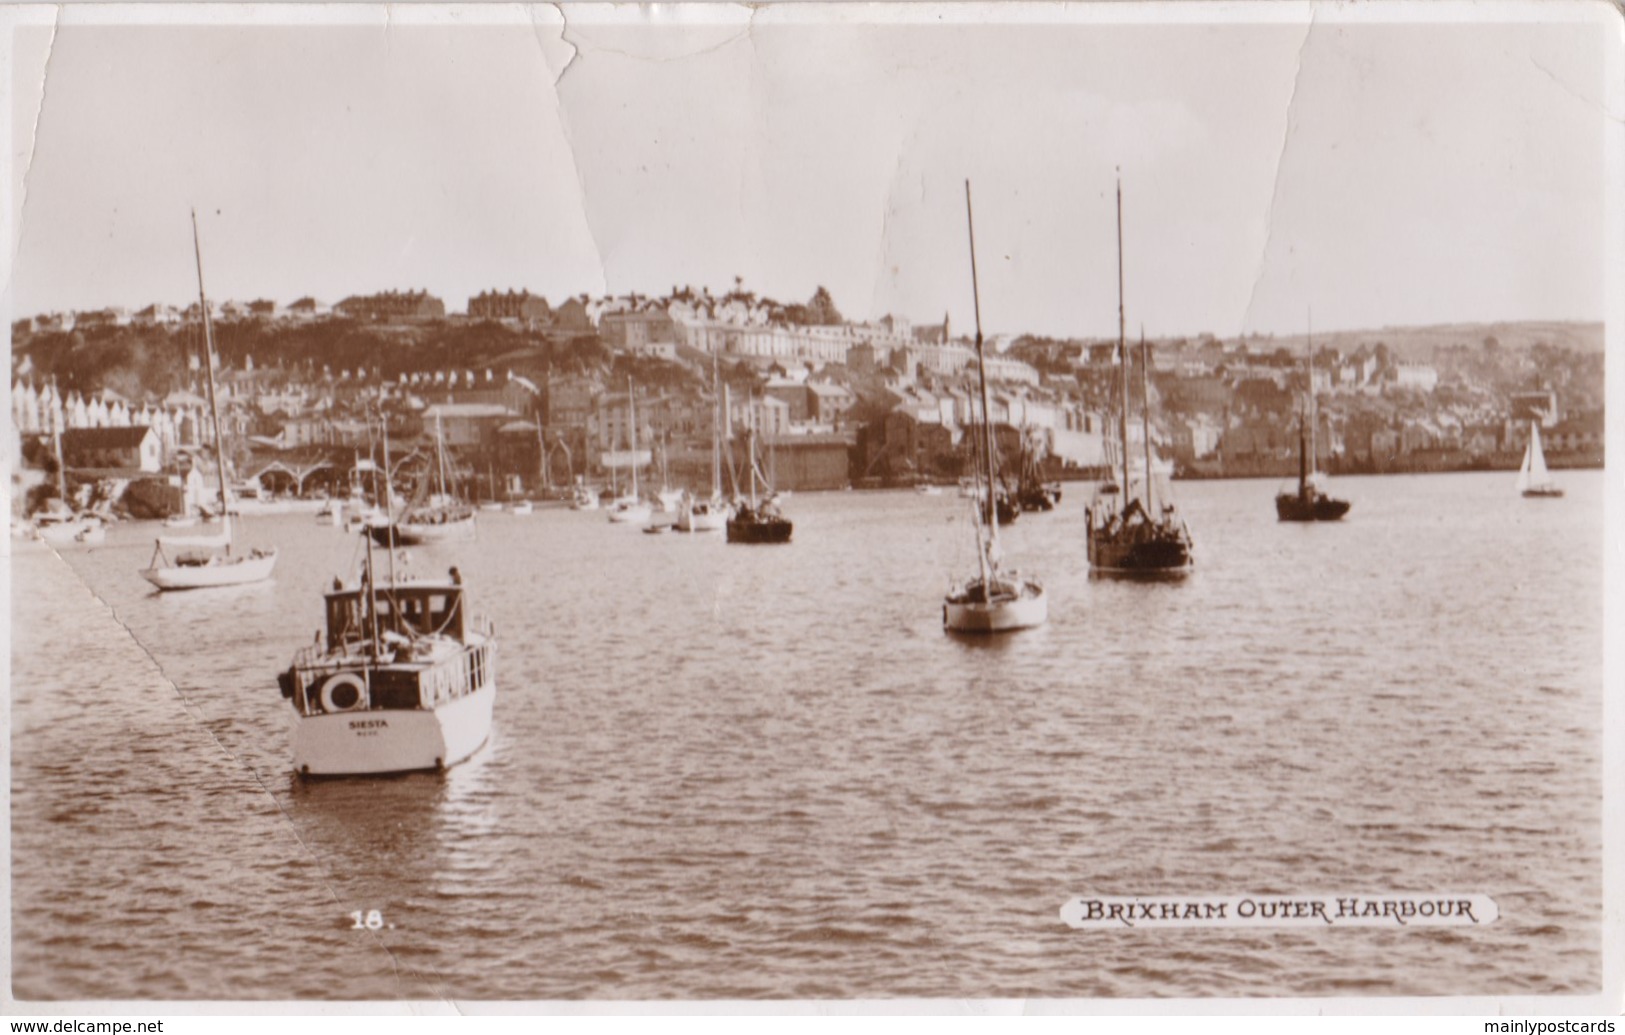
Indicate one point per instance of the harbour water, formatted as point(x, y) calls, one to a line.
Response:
point(725, 771)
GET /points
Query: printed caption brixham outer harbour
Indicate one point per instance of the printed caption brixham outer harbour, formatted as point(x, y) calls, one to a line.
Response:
point(1436, 909)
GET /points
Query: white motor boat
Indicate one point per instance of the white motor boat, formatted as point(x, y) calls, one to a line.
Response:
point(401, 681)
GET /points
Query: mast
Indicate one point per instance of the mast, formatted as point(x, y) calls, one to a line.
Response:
point(990, 509)
point(57, 417)
point(1122, 354)
point(372, 598)
point(1145, 417)
point(208, 366)
point(541, 451)
point(716, 431)
point(389, 503)
point(750, 433)
point(440, 456)
point(1314, 410)
point(632, 418)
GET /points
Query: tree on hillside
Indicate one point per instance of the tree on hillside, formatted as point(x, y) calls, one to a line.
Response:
point(821, 308)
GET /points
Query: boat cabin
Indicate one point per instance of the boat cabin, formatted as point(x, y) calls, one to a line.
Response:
point(409, 610)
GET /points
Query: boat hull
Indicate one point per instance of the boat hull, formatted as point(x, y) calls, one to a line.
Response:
point(1162, 556)
point(374, 742)
point(623, 513)
point(414, 533)
point(1023, 610)
point(771, 530)
point(232, 572)
point(1543, 492)
point(1295, 507)
point(714, 518)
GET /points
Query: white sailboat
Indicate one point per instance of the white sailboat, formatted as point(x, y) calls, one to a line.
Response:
point(631, 508)
point(202, 562)
point(444, 517)
point(1534, 481)
point(709, 515)
point(992, 600)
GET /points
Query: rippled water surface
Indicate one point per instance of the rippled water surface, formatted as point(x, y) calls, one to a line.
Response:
point(725, 771)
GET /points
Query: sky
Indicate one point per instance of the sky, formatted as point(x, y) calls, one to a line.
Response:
point(1279, 165)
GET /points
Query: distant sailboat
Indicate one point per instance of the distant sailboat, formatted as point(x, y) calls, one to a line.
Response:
point(758, 520)
point(992, 600)
point(207, 561)
point(1310, 502)
point(712, 514)
point(1533, 479)
point(631, 508)
point(443, 518)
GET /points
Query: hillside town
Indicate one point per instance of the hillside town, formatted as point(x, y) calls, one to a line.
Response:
point(530, 398)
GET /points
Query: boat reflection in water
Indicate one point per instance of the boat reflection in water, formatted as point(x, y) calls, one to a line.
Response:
point(402, 680)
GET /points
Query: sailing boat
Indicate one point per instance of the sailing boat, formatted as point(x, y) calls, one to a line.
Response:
point(1533, 480)
point(200, 562)
point(759, 519)
point(991, 600)
point(1127, 533)
point(632, 507)
point(712, 514)
point(1310, 502)
point(1032, 492)
point(441, 518)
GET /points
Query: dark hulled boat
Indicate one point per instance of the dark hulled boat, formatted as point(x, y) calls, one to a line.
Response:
point(758, 523)
point(1032, 492)
point(1310, 502)
point(1128, 532)
point(758, 520)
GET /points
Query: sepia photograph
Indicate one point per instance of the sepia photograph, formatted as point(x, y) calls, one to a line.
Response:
point(600, 506)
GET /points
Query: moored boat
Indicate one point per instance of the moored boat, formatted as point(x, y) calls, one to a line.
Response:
point(631, 508)
point(583, 498)
point(992, 600)
point(1131, 533)
point(1310, 502)
point(758, 519)
point(401, 680)
point(441, 518)
point(708, 515)
point(208, 562)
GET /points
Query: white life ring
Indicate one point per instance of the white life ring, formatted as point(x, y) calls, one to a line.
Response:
point(338, 683)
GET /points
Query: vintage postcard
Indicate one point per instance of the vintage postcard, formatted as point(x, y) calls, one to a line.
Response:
point(1093, 507)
